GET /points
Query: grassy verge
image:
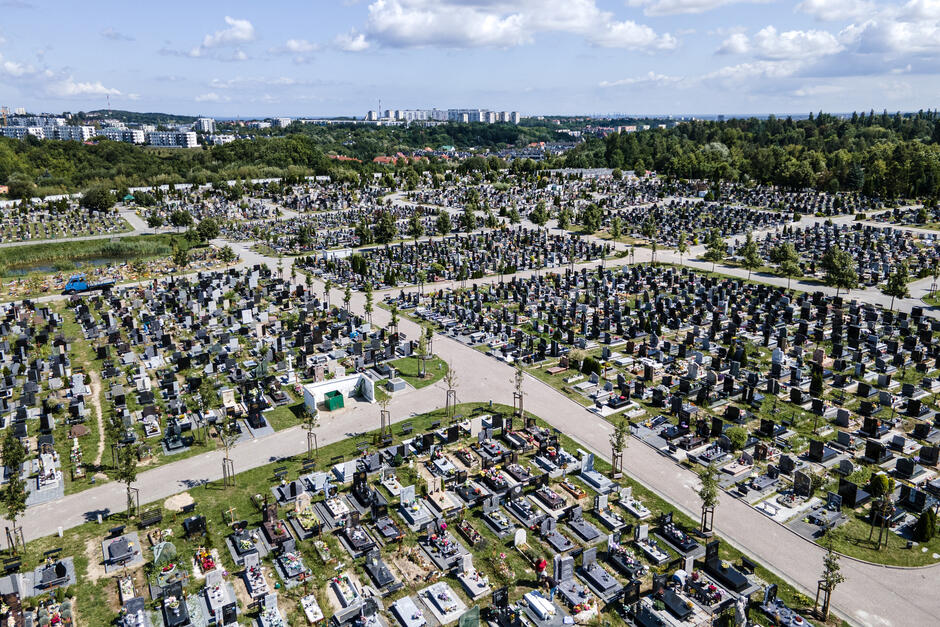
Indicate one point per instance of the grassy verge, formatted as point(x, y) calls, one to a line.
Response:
point(408, 369)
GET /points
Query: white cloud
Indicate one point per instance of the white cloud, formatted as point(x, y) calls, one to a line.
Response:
point(812, 91)
point(674, 7)
point(300, 46)
point(114, 35)
point(500, 24)
point(239, 31)
point(352, 41)
point(211, 97)
point(651, 79)
point(836, 10)
point(15, 69)
point(735, 44)
point(750, 71)
point(794, 44)
point(69, 87)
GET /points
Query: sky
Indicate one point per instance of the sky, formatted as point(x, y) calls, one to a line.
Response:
point(342, 57)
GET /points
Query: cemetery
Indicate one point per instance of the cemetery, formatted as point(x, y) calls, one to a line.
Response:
point(792, 396)
point(170, 574)
point(57, 220)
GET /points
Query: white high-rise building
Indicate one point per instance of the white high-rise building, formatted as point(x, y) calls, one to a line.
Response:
point(205, 125)
point(19, 132)
point(70, 133)
point(129, 136)
point(282, 122)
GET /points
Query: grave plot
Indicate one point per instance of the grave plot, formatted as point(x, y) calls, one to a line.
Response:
point(460, 257)
point(694, 218)
point(57, 220)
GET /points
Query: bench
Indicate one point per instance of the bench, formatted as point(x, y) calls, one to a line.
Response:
point(188, 509)
point(435, 424)
point(747, 565)
point(386, 440)
point(116, 531)
point(11, 566)
point(406, 428)
point(309, 465)
point(151, 517)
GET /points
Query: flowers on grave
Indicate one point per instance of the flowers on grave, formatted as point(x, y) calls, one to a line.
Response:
point(168, 568)
point(245, 544)
point(307, 518)
point(279, 529)
point(172, 603)
point(204, 559)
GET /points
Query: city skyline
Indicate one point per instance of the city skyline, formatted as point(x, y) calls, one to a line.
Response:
point(676, 57)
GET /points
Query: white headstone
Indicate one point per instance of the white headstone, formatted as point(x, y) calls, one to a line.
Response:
point(520, 538)
point(407, 495)
point(213, 577)
point(252, 559)
point(642, 532)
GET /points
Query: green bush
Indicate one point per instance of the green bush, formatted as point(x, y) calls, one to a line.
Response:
point(926, 526)
point(737, 436)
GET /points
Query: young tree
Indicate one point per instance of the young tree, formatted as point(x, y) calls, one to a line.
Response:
point(393, 321)
point(368, 307)
point(831, 577)
point(881, 487)
point(618, 442)
point(514, 217)
point(126, 473)
point(591, 217)
point(180, 257)
point(327, 287)
point(443, 222)
point(787, 260)
point(310, 421)
point(750, 255)
point(896, 285)
point(840, 269)
point(347, 297)
point(468, 219)
point(715, 248)
point(181, 218)
point(682, 246)
point(708, 493)
point(14, 491)
point(228, 436)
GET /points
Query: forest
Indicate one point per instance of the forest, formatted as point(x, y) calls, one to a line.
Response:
point(882, 155)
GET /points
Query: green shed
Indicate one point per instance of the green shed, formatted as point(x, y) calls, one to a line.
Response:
point(333, 400)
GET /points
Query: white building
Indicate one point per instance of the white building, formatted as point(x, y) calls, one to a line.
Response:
point(70, 133)
point(172, 139)
point(129, 136)
point(36, 121)
point(204, 125)
point(282, 122)
point(258, 125)
point(19, 132)
point(218, 140)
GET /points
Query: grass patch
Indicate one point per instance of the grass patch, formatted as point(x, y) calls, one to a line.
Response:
point(408, 369)
point(852, 539)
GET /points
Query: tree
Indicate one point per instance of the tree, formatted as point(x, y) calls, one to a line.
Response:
point(347, 297)
point(591, 217)
point(682, 246)
point(926, 526)
point(708, 493)
point(421, 277)
point(737, 436)
point(715, 248)
point(831, 577)
point(618, 442)
point(385, 229)
point(750, 255)
point(934, 273)
point(896, 286)
point(616, 227)
point(539, 215)
point(415, 226)
point(787, 260)
point(180, 219)
point(840, 269)
point(443, 224)
point(468, 219)
point(514, 217)
point(180, 257)
point(327, 287)
point(564, 218)
point(393, 321)
point(881, 487)
point(368, 307)
point(98, 199)
point(154, 220)
point(227, 432)
point(364, 232)
point(20, 187)
point(14, 491)
point(311, 421)
point(208, 229)
point(126, 473)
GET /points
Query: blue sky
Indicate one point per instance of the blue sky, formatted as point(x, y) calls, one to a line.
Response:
point(339, 57)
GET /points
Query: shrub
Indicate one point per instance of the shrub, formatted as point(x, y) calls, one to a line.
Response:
point(926, 526)
point(737, 436)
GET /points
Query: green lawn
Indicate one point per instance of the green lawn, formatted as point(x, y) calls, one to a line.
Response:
point(852, 539)
point(408, 368)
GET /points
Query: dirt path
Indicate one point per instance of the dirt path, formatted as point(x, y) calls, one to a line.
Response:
point(96, 405)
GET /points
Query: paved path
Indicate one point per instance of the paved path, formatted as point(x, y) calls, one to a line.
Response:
point(871, 595)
